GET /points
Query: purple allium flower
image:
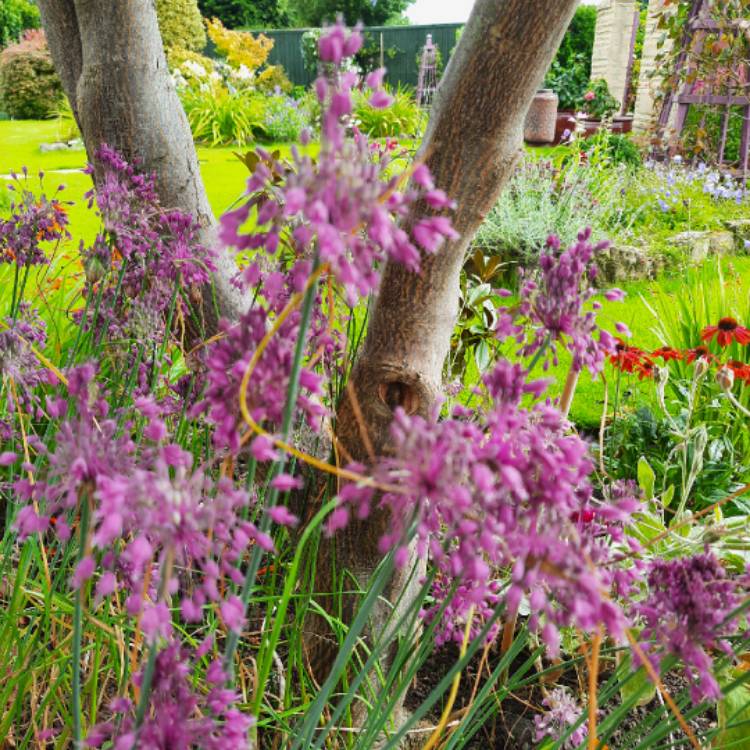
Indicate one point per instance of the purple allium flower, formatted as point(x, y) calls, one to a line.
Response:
point(346, 204)
point(228, 358)
point(32, 220)
point(179, 715)
point(687, 613)
point(563, 712)
point(18, 363)
point(145, 255)
point(507, 490)
point(554, 306)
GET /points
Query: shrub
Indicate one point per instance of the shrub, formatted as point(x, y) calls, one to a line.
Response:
point(569, 81)
point(284, 118)
point(545, 198)
point(29, 86)
point(239, 47)
point(273, 78)
point(181, 24)
point(261, 14)
point(569, 73)
point(578, 41)
point(218, 116)
point(597, 102)
point(402, 118)
point(16, 16)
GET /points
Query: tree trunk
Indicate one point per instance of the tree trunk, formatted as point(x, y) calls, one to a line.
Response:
point(110, 58)
point(471, 146)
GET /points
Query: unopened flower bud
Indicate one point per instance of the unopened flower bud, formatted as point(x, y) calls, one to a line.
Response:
point(661, 375)
point(725, 379)
point(701, 368)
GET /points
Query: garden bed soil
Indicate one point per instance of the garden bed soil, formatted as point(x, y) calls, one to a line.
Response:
point(512, 726)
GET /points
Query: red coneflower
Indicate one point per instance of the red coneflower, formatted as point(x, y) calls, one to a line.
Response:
point(667, 353)
point(645, 369)
point(699, 352)
point(628, 358)
point(741, 370)
point(726, 331)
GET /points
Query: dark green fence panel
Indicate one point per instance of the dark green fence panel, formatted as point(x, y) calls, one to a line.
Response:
point(401, 46)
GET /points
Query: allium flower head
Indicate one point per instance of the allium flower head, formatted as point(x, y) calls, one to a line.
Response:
point(553, 304)
point(501, 491)
point(563, 711)
point(345, 205)
point(32, 221)
point(687, 613)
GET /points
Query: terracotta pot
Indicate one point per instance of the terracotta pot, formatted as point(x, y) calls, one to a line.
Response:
point(622, 124)
point(590, 126)
point(540, 119)
point(566, 120)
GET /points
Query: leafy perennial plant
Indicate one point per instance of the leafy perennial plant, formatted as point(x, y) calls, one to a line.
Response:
point(499, 497)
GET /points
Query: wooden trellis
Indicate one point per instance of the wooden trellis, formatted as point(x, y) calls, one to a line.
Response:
point(698, 91)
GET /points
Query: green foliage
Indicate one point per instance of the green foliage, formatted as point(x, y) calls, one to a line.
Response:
point(181, 24)
point(570, 71)
point(597, 102)
point(569, 80)
point(555, 197)
point(615, 148)
point(579, 38)
point(255, 14)
point(403, 118)
point(314, 13)
point(15, 17)
point(29, 86)
point(218, 116)
point(283, 119)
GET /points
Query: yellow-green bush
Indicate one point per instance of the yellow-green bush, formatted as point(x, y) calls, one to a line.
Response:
point(181, 24)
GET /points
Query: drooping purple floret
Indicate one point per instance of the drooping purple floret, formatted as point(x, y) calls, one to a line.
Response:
point(688, 613)
point(552, 309)
point(345, 205)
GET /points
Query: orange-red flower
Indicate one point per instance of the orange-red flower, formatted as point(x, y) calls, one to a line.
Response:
point(628, 358)
point(699, 352)
point(741, 370)
point(645, 369)
point(667, 353)
point(726, 331)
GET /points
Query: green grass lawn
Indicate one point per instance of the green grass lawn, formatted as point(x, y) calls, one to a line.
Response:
point(224, 177)
point(223, 174)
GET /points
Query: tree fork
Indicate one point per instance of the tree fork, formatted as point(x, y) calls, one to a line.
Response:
point(471, 146)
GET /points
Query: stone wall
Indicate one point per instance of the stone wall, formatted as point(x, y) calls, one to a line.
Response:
point(612, 44)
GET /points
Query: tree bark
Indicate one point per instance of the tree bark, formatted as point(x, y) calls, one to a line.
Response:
point(471, 146)
point(114, 71)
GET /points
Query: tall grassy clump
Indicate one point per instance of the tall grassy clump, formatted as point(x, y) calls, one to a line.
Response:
point(162, 517)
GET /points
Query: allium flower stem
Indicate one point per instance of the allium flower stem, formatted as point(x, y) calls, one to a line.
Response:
point(569, 391)
point(148, 672)
point(540, 353)
point(78, 622)
point(440, 728)
point(286, 425)
point(15, 289)
point(165, 340)
point(16, 300)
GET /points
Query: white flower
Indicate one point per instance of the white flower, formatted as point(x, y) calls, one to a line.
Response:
point(195, 68)
point(244, 72)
